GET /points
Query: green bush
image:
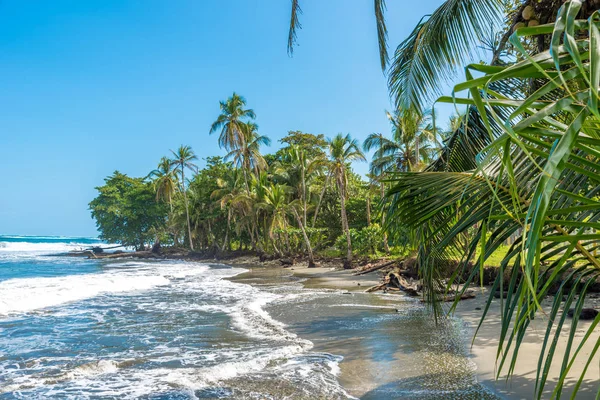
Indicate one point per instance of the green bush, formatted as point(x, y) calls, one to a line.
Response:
point(367, 240)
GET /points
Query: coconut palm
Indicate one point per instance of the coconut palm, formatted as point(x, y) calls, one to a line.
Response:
point(277, 204)
point(529, 169)
point(232, 196)
point(164, 181)
point(230, 122)
point(343, 150)
point(298, 170)
point(247, 154)
point(183, 159)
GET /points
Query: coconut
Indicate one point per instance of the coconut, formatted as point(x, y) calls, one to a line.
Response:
point(533, 22)
point(528, 13)
point(518, 25)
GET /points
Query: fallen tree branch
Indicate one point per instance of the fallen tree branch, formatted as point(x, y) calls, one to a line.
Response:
point(374, 268)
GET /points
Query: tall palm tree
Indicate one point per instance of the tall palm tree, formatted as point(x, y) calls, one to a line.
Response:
point(163, 179)
point(276, 203)
point(230, 122)
point(343, 150)
point(233, 197)
point(415, 134)
point(298, 169)
point(183, 158)
point(410, 146)
point(247, 154)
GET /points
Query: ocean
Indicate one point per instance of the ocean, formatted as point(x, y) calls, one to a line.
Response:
point(73, 328)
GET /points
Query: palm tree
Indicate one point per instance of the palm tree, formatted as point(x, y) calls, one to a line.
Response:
point(343, 150)
point(384, 161)
point(230, 122)
point(413, 133)
point(298, 170)
point(233, 197)
point(164, 181)
point(182, 159)
point(526, 166)
point(276, 203)
point(247, 154)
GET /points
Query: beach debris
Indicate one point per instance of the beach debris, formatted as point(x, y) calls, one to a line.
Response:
point(371, 268)
point(287, 262)
point(400, 280)
point(470, 294)
point(394, 281)
point(586, 314)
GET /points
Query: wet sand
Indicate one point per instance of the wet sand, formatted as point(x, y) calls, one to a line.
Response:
point(522, 383)
point(391, 349)
point(372, 371)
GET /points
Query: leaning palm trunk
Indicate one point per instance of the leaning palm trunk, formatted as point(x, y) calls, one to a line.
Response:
point(327, 179)
point(226, 243)
point(386, 246)
point(345, 227)
point(311, 259)
point(187, 208)
point(304, 196)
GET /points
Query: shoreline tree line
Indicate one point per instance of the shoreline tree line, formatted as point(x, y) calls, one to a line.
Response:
point(302, 199)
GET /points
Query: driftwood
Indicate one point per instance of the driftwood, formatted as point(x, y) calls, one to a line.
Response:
point(370, 268)
point(452, 297)
point(396, 281)
point(376, 288)
point(136, 254)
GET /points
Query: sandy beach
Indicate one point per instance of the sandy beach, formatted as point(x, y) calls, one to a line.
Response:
point(368, 377)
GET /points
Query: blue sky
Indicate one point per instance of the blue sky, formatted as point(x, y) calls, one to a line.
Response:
point(89, 87)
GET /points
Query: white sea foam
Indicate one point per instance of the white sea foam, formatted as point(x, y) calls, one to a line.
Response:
point(29, 294)
point(201, 368)
point(22, 247)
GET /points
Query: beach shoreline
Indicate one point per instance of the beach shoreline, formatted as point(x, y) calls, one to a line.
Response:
point(484, 346)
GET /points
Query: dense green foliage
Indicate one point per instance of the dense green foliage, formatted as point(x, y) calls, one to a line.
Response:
point(303, 198)
point(516, 178)
point(518, 174)
point(126, 211)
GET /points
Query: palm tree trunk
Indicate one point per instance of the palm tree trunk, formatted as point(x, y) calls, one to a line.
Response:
point(368, 209)
point(273, 242)
point(345, 227)
point(386, 247)
point(187, 208)
point(321, 199)
point(304, 200)
point(226, 243)
point(311, 259)
point(417, 155)
point(286, 236)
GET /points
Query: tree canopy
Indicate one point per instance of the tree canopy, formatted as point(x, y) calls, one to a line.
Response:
point(126, 211)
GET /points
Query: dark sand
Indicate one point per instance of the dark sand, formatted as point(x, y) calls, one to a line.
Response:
point(384, 359)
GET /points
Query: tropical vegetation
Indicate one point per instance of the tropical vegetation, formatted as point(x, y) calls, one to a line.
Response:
point(516, 178)
point(521, 166)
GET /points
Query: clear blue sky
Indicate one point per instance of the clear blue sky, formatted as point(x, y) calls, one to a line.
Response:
point(89, 87)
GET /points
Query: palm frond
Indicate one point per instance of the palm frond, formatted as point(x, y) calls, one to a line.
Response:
point(294, 26)
point(439, 45)
point(382, 33)
point(535, 178)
